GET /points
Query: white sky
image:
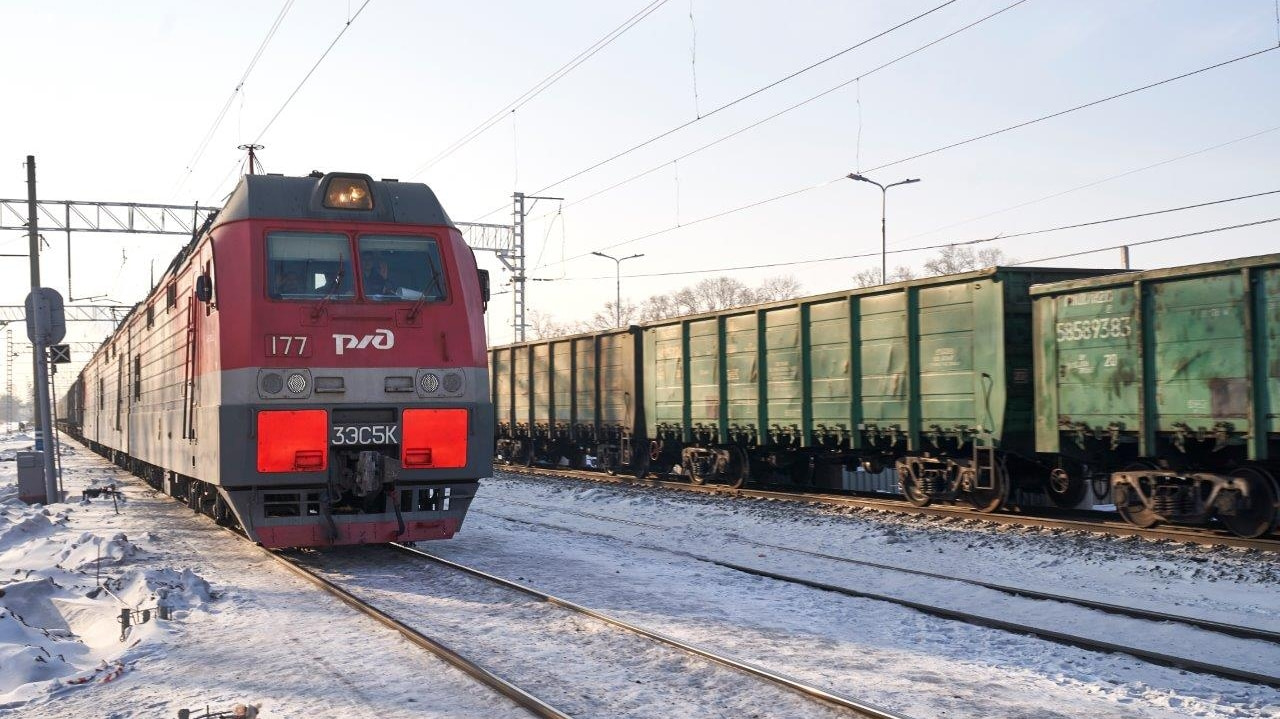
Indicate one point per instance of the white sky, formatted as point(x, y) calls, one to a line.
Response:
point(114, 98)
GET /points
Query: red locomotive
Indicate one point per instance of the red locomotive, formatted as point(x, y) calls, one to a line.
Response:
point(311, 367)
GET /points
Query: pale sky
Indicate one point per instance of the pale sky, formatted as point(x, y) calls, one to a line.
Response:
point(115, 98)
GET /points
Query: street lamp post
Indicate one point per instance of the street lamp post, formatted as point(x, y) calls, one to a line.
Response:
point(884, 192)
point(617, 302)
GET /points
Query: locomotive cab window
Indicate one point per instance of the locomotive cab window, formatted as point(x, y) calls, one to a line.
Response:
point(309, 266)
point(397, 268)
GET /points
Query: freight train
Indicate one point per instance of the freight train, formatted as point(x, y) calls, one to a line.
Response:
point(986, 386)
point(310, 367)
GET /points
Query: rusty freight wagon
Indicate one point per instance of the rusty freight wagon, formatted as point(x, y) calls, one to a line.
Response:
point(1165, 385)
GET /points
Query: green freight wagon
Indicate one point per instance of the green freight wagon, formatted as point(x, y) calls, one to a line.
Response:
point(1166, 385)
point(933, 376)
point(569, 401)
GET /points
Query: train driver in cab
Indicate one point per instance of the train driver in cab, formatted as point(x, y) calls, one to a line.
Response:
point(377, 280)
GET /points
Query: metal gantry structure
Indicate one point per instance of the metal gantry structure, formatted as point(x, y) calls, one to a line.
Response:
point(68, 216)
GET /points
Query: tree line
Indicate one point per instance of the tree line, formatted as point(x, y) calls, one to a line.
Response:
point(723, 292)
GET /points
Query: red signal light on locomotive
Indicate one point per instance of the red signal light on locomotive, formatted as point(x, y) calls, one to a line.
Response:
point(348, 193)
point(293, 440)
point(434, 438)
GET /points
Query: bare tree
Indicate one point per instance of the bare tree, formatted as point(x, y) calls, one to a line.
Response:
point(869, 277)
point(658, 307)
point(780, 287)
point(963, 258)
point(606, 318)
point(715, 293)
point(718, 293)
point(902, 273)
point(541, 326)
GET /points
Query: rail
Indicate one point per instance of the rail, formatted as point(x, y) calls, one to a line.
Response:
point(808, 690)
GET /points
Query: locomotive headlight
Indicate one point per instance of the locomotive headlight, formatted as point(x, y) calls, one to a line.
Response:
point(430, 382)
point(452, 382)
point(272, 383)
point(348, 193)
point(296, 383)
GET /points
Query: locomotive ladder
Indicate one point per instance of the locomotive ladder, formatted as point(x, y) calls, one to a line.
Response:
point(189, 375)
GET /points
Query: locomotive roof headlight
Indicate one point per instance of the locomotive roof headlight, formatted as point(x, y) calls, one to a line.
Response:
point(430, 382)
point(296, 383)
point(348, 193)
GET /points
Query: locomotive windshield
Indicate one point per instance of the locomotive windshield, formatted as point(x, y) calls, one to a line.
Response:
point(309, 266)
point(395, 267)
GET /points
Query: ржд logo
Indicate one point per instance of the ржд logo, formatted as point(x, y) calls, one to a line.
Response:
point(380, 340)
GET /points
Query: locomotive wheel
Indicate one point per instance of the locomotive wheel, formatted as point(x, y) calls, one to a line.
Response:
point(1064, 490)
point(991, 500)
point(1258, 519)
point(739, 468)
point(911, 488)
point(1139, 516)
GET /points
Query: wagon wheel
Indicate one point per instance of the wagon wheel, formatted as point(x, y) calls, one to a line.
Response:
point(1064, 490)
point(1140, 516)
point(739, 468)
point(1260, 516)
point(991, 500)
point(694, 478)
point(910, 485)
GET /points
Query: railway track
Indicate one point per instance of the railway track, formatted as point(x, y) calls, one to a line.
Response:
point(471, 667)
point(838, 703)
point(1256, 674)
point(1108, 607)
point(1103, 523)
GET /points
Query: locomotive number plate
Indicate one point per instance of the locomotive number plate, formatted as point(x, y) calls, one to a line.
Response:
point(365, 434)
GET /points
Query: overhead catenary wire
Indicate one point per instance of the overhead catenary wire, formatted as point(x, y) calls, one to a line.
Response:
point(539, 87)
point(1027, 123)
point(1070, 110)
point(1148, 242)
point(226, 107)
point(962, 243)
point(346, 26)
point(1093, 183)
point(852, 81)
point(732, 103)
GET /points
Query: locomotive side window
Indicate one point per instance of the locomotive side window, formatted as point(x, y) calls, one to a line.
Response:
point(398, 268)
point(309, 266)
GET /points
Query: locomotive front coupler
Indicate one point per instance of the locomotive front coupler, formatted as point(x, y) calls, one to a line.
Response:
point(357, 478)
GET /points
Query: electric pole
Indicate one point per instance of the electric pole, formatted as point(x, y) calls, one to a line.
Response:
point(39, 356)
point(519, 210)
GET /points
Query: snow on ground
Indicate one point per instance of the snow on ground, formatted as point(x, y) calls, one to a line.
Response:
point(246, 630)
point(535, 528)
